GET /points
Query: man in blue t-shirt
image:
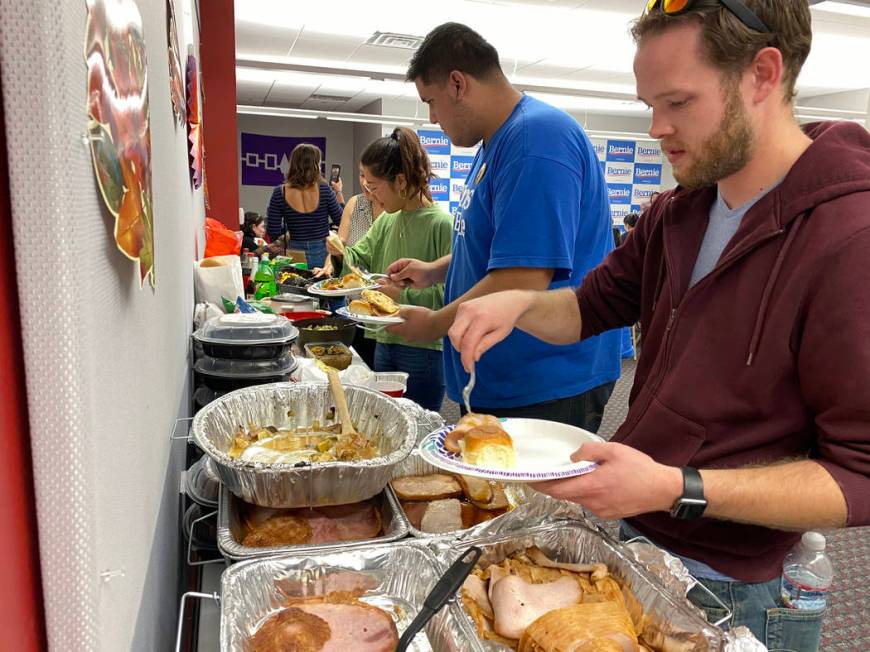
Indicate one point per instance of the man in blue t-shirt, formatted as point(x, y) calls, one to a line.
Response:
point(534, 215)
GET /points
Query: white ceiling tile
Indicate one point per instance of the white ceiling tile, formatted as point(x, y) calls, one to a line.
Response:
point(268, 40)
point(333, 47)
point(289, 94)
point(251, 92)
point(374, 54)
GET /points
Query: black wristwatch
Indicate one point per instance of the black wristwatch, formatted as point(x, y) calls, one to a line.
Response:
point(691, 504)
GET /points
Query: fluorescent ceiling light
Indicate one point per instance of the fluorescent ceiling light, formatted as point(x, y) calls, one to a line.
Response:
point(275, 111)
point(597, 104)
point(843, 8)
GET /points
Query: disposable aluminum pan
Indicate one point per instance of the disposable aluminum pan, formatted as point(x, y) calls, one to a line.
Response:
point(397, 578)
point(300, 405)
point(230, 531)
point(669, 623)
point(517, 494)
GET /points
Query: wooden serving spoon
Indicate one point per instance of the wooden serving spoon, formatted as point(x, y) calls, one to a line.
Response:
point(340, 400)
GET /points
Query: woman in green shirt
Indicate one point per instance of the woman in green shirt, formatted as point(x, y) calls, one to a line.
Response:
point(397, 173)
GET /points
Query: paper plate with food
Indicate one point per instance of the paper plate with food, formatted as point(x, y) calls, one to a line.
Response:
point(510, 450)
point(372, 308)
point(347, 285)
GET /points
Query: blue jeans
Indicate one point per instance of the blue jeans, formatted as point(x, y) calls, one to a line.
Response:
point(425, 369)
point(759, 607)
point(315, 251)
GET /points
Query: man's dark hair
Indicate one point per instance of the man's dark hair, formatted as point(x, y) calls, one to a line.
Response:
point(449, 47)
point(630, 220)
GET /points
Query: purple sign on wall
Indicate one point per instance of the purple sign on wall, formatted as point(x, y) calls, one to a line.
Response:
point(265, 158)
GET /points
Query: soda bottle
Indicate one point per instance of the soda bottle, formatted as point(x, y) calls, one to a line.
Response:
point(807, 574)
point(264, 280)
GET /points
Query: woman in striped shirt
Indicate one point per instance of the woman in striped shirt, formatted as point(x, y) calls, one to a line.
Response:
point(304, 206)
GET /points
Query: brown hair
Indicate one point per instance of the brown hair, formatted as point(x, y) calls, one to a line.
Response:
point(731, 46)
point(400, 153)
point(304, 168)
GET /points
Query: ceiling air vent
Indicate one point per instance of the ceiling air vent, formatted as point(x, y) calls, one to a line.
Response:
point(393, 40)
point(318, 97)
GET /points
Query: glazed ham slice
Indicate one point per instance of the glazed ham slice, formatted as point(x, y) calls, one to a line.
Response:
point(345, 523)
point(517, 603)
point(321, 625)
point(358, 627)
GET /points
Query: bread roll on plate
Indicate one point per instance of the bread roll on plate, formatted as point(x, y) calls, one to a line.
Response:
point(488, 446)
point(358, 307)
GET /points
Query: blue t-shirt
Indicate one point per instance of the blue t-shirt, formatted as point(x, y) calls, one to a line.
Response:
point(535, 197)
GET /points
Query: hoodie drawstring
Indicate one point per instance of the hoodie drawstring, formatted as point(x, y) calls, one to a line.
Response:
point(768, 289)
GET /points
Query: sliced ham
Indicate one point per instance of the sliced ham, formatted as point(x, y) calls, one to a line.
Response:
point(359, 627)
point(517, 603)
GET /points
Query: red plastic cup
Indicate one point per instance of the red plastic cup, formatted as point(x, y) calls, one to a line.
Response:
point(390, 388)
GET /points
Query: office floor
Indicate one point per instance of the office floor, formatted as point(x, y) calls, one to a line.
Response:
point(847, 623)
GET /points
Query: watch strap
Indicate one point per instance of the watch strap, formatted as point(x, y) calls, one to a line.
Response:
point(691, 504)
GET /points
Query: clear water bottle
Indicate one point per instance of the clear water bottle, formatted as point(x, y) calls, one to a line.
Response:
point(807, 574)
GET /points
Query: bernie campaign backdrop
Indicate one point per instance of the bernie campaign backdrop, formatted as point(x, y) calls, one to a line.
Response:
point(450, 164)
point(632, 171)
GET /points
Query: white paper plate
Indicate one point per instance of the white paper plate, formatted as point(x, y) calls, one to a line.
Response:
point(317, 288)
point(543, 451)
point(369, 319)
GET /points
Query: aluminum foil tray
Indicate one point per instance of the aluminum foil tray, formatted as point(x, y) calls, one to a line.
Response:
point(230, 535)
point(300, 405)
point(669, 622)
point(397, 577)
point(517, 494)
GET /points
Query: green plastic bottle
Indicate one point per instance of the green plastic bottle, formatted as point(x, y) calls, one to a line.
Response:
point(264, 280)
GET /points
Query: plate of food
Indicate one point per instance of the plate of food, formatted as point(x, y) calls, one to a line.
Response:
point(374, 308)
point(510, 450)
point(347, 285)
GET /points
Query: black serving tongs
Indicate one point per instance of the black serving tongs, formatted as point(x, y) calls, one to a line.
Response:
point(445, 589)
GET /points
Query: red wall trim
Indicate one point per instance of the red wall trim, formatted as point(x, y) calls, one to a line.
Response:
point(22, 620)
point(217, 46)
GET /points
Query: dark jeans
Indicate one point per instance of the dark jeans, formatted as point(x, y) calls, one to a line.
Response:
point(759, 607)
point(583, 410)
point(425, 369)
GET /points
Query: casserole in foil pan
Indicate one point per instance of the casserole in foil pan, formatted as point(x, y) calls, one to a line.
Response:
point(232, 528)
point(669, 623)
point(395, 577)
point(299, 405)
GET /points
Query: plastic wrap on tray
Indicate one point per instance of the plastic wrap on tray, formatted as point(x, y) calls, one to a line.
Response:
point(397, 577)
point(669, 622)
point(291, 405)
point(517, 495)
point(426, 420)
point(229, 531)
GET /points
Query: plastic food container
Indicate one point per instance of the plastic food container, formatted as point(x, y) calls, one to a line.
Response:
point(202, 483)
point(392, 383)
point(224, 375)
point(254, 336)
point(334, 354)
point(344, 331)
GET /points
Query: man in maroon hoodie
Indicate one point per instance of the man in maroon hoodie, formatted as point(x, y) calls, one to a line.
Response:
point(749, 281)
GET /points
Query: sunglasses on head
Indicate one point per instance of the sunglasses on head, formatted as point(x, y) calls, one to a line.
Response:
point(737, 7)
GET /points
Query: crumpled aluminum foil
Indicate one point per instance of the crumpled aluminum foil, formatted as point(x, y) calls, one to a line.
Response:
point(230, 535)
point(397, 576)
point(671, 572)
point(300, 405)
point(426, 420)
point(669, 623)
point(740, 639)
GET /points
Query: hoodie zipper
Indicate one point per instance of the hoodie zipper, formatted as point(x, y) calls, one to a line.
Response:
point(674, 314)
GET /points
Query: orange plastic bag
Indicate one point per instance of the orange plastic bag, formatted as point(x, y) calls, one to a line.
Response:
point(219, 240)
